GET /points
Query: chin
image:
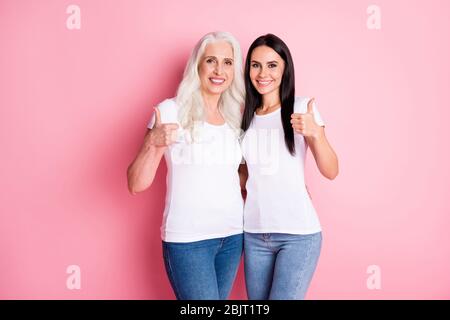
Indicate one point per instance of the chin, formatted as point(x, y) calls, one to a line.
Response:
point(216, 90)
point(263, 90)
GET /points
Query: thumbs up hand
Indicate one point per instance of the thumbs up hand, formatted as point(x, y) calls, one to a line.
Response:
point(304, 123)
point(163, 135)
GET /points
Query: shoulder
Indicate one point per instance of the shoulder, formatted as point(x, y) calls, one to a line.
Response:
point(168, 109)
point(167, 104)
point(301, 104)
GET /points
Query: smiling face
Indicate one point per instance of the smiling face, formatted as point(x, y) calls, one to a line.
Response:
point(266, 70)
point(216, 68)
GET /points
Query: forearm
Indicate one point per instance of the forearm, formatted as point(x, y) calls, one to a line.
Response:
point(243, 176)
point(142, 170)
point(324, 155)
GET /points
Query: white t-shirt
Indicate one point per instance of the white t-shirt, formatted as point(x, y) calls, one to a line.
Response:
point(277, 199)
point(203, 199)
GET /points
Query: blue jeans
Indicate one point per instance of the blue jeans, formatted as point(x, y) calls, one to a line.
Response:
point(280, 266)
point(203, 270)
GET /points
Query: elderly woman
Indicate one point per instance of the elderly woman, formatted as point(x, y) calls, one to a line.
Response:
point(198, 134)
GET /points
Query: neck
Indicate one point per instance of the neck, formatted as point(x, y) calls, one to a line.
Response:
point(211, 101)
point(270, 100)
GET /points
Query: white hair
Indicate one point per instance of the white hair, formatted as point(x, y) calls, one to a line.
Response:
point(189, 98)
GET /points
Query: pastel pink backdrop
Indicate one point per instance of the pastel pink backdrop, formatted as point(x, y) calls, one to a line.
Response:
point(75, 103)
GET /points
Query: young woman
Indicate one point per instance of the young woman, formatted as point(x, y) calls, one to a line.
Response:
point(198, 134)
point(282, 238)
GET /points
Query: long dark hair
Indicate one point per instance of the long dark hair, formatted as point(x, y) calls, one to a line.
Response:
point(253, 99)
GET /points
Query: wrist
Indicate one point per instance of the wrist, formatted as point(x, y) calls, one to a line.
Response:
point(318, 135)
point(151, 145)
point(149, 140)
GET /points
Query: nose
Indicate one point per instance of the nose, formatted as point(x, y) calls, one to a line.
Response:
point(262, 72)
point(218, 69)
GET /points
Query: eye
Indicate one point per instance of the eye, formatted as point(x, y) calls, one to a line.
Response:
point(272, 65)
point(210, 60)
point(255, 65)
point(229, 63)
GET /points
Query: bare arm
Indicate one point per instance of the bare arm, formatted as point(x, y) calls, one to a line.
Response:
point(314, 134)
point(326, 158)
point(243, 176)
point(142, 170)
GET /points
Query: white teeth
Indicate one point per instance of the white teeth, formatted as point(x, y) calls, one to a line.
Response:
point(217, 81)
point(264, 83)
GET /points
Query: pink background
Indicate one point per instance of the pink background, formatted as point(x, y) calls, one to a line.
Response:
point(74, 105)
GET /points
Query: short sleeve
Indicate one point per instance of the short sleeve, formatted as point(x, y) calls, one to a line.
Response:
point(151, 123)
point(301, 106)
point(168, 110)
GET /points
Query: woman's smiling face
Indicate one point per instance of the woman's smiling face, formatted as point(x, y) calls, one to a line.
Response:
point(266, 69)
point(216, 68)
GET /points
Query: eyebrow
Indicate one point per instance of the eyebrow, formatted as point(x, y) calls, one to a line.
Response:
point(268, 62)
point(214, 57)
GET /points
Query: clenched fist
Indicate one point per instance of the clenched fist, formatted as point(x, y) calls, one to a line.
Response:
point(163, 135)
point(304, 123)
